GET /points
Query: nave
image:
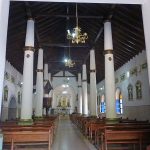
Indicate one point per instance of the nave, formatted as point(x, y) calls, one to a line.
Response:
point(68, 137)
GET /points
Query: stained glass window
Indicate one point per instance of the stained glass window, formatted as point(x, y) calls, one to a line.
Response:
point(103, 105)
point(119, 105)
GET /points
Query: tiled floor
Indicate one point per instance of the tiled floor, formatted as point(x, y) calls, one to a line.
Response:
point(68, 137)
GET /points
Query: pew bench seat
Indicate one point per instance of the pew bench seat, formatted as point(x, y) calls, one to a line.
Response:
point(124, 137)
point(15, 138)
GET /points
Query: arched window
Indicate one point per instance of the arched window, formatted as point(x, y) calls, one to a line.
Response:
point(5, 93)
point(119, 105)
point(138, 90)
point(102, 104)
point(19, 98)
point(130, 92)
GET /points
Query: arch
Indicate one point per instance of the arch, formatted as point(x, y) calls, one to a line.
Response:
point(138, 87)
point(119, 105)
point(12, 109)
point(130, 92)
point(64, 97)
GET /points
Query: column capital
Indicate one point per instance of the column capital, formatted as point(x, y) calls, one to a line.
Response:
point(84, 80)
point(29, 48)
point(45, 80)
point(30, 18)
point(92, 70)
point(108, 51)
point(107, 20)
point(39, 70)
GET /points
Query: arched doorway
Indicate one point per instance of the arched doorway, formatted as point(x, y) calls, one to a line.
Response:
point(12, 109)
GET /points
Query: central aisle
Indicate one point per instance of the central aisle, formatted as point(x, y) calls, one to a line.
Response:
point(68, 137)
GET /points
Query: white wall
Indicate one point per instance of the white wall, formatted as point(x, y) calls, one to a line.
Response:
point(13, 89)
point(139, 109)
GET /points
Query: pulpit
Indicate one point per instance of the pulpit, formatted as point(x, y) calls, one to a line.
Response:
point(47, 103)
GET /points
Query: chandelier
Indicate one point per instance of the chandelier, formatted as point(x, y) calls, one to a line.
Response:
point(76, 36)
point(69, 62)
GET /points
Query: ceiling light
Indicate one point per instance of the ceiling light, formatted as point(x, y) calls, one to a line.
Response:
point(128, 74)
point(65, 60)
point(69, 62)
point(64, 85)
point(64, 92)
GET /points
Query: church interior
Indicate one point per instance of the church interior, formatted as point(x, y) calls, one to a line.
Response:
point(75, 75)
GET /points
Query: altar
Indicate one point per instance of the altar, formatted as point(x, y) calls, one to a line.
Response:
point(63, 106)
point(62, 110)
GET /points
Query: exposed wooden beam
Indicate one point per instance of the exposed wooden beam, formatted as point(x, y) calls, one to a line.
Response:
point(62, 45)
point(93, 1)
point(64, 76)
point(67, 16)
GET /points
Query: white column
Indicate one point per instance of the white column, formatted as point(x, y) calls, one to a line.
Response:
point(79, 94)
point(84, 90)
point(4, 13)
point(93, 89)
point(39, 85)
point(46, 95)
point(46, 78)
point(51, 92)
point(146, 24)
point(109, 72)
point(26, 109)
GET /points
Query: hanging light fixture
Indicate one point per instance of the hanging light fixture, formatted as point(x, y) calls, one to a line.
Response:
point(69, 62)
point(76, 36)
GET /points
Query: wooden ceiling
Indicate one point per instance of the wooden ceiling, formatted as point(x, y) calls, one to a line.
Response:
point(52, 22)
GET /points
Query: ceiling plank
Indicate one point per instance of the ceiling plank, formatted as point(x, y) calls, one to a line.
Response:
point(93, 1)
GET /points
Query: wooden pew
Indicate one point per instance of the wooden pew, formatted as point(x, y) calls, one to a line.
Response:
point(97, 130)
point(27, 137)
point(13, 133)
point(95, 127)
point(124, 137)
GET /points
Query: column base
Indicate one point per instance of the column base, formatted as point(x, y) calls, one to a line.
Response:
point(112, 120)
point(25, 122)
point(84, 115)
point(38, 118)
point(93, 116)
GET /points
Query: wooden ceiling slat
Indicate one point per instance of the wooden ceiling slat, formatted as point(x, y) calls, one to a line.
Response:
point(128, 36)
point(128, 30)
point(135, 45)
